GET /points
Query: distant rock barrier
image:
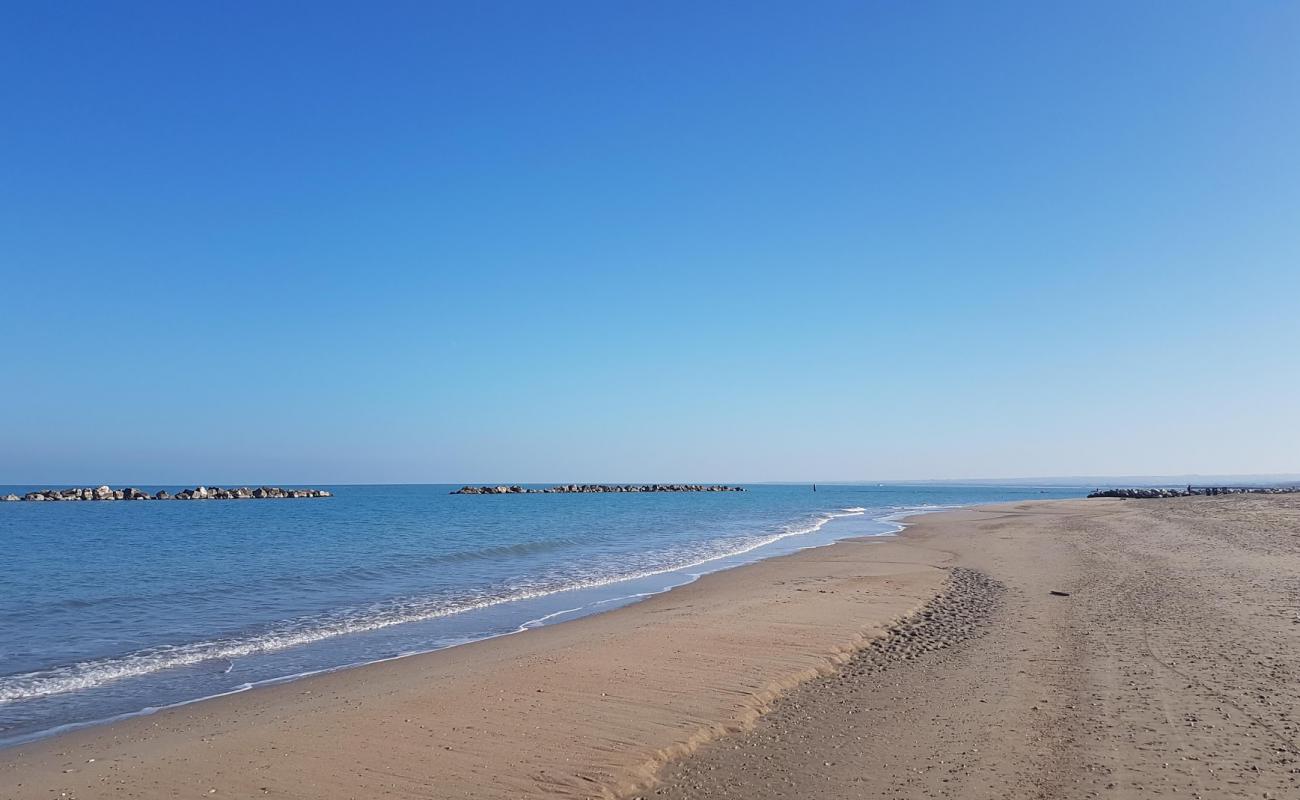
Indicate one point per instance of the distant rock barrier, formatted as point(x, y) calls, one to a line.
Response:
point(197, 493)
point(598, 488)
point(1190, 491)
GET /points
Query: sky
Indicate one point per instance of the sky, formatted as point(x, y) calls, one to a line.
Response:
point(334, 242)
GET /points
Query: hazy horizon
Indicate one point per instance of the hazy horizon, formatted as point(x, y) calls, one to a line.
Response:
point(1043, 480)
point(474, 242)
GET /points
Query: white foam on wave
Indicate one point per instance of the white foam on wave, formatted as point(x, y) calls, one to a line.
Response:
point(542, 620)
point(912, 511)
point(95, 673)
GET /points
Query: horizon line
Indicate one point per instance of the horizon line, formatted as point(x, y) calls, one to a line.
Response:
point(1080, 480)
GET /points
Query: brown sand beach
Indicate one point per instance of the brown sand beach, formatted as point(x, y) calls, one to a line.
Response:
point(1099, 648)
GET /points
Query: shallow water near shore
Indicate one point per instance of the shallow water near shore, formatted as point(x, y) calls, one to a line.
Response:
point(110, 609)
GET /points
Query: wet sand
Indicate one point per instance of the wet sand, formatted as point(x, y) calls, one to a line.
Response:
point(936, 664)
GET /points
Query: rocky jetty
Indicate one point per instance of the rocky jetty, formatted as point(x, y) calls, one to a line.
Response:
point(598, 488)
point(1133, 494)
point(197, 493)
point(1191, 491)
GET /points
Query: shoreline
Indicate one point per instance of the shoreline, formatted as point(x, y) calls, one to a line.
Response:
point(588, 595)
point(679, 575)
point(766, 681)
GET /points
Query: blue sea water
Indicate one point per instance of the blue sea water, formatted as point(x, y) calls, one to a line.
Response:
point(115, 608)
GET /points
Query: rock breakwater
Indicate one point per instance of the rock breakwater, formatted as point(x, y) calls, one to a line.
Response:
point(1148, 493)
point(197, 493)
point(598, 488)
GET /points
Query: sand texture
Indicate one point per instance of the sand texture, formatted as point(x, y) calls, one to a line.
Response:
point(1170, 670)
point(937, 664)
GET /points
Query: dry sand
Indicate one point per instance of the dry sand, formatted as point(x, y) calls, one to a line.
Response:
point(1169, 669)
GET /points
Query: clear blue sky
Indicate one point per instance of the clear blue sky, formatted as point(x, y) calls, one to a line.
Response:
point(534, 241)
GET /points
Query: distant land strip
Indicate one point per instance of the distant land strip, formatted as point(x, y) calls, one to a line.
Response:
point(197, 493)
point(598, 488)
point(1145, 493)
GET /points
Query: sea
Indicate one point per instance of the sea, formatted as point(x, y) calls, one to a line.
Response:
point(113, 609)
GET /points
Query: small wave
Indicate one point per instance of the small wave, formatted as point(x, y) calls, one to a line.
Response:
point(854, 510)
point(410, 565)
point(542, 620)
point(295, 633)
point(902, 512)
